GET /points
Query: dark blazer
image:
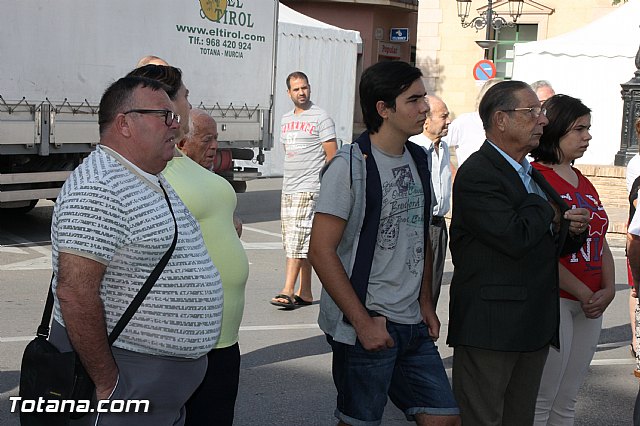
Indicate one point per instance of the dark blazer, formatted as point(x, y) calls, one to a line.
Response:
point(504, 291)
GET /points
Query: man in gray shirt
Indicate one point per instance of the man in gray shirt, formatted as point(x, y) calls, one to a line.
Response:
point(375, 262)
point(308, 136)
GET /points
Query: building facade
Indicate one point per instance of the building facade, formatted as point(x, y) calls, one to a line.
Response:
point(388, 29)
point(437, 43)
point(447, 52)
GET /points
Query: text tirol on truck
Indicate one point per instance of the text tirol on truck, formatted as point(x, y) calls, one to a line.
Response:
point(51, 79)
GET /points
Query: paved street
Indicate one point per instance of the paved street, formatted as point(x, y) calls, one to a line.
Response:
point(285, 377)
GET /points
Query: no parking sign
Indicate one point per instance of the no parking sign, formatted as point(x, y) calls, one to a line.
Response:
point(484, 70)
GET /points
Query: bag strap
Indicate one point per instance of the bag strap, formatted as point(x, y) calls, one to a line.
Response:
point(151, 280)
point(43, 328)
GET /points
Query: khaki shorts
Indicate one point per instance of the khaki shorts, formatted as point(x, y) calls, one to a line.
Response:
point(296, 214)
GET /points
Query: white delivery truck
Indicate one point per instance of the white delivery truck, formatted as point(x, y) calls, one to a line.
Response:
point(58, 56)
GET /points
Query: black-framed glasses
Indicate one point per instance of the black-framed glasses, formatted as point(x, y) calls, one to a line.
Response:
point(169, 116)
point(534, 111)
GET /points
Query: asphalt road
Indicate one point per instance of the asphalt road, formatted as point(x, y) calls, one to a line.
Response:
point(285, 375)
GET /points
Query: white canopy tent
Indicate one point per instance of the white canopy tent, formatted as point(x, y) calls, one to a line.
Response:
point(589, 63)
point(327, 55)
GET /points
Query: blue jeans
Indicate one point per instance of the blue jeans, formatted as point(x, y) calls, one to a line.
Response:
point(411, 374)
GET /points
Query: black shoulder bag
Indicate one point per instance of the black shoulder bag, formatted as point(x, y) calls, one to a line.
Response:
point(52, 377)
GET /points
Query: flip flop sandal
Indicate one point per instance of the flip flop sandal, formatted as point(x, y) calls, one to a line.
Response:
point(286, 305)
point(299, 301)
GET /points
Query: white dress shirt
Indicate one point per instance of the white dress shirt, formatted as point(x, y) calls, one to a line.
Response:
point(633, 171)
point(440, 167)
point(466, 135)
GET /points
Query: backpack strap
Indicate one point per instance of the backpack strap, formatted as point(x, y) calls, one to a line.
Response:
point(373, 209)
point(369, 232)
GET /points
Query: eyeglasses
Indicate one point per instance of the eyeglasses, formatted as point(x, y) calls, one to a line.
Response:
point(534, 111)
point(169, 116)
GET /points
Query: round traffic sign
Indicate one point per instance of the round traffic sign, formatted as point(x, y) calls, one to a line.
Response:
point(484, 70)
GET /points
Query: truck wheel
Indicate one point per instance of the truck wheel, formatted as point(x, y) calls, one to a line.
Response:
point(17, 211)
point(240, 186)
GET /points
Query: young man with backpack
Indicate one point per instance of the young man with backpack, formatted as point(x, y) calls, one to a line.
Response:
point(370, 248)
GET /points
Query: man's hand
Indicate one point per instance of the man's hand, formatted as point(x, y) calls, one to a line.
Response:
point(373, 334)
point(237, 223)
point(326, 233)
point(578, 220)
point(104, 392)
point(429, 317)
point(432, 321)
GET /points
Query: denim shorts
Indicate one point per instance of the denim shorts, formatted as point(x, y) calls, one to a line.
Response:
point(411, 374)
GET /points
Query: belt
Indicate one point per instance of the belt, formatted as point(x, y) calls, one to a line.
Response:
point(437, 220)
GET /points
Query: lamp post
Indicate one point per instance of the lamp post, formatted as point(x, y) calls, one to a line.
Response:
point(630, 113)
point(488, 19)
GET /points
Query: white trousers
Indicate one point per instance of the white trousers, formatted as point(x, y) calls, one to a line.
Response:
point(566, 368)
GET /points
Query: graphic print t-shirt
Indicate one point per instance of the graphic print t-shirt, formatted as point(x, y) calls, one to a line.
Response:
point(396, 273)
point(586, 264)
point(303, 136)
point(398, 260)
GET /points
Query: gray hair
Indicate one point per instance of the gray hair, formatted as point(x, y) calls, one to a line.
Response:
point(540, 83)
point(194, 113)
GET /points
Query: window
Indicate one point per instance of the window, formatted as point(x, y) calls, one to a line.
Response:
point(503, 52)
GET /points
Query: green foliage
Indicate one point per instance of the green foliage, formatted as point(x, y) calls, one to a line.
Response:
point(615, 2)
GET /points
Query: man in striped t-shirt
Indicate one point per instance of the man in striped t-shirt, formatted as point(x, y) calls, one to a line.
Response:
point(309, 140)
point(111, 226)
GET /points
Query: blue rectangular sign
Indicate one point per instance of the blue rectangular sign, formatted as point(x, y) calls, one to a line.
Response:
point(399, 34)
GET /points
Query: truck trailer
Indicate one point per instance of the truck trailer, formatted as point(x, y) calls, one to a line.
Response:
point(58, 56)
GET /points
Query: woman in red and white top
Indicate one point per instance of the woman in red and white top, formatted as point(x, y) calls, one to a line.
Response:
point(587, 278)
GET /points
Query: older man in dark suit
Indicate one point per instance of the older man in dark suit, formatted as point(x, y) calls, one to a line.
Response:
point(508, 229)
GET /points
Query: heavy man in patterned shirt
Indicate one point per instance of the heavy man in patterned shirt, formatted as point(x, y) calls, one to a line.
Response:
point(309, 140)
point(110, 227)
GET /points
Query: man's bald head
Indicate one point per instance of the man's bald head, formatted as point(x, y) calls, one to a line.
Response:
point(201, 143)
point(199, 118)
point(153, 60)
point(436, 126)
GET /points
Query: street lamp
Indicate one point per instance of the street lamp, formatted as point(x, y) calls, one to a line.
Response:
point(630, 113)
point(488, 19)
